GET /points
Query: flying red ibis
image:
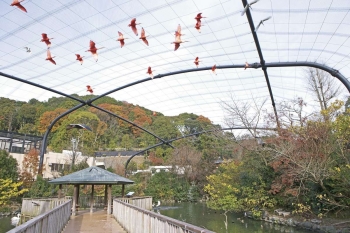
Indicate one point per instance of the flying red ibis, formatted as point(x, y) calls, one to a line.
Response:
point(17, 3)
point(121, 39)
point(93, 50)
point(143, 36)
point(89, 89)
point(79, 58)
point(199, 17)
point(246, 65)
point(198, 26)
point(49, 57)
point(150, 72)
point(46, 39)
point(196, 61)
point(213, 69)
point(133, 26)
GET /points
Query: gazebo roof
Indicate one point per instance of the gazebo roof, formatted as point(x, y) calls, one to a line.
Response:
point(92, 175)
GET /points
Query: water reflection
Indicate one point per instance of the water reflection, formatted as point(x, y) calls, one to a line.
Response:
point(198, 214)
point(5, 224)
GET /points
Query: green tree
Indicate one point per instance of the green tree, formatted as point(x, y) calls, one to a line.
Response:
point(41, 188)
point(9, 166)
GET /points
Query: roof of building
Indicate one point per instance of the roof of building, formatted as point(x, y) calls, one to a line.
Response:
point(92, 175)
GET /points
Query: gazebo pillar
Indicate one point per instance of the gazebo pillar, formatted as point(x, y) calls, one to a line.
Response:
point(109, 206)
point(75, 195)
point(123, 190)
point(105, 197)
point(77, 203)
point(92, 199)
point(59, 191)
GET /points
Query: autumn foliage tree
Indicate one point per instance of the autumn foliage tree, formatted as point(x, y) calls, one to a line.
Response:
point(30, 167)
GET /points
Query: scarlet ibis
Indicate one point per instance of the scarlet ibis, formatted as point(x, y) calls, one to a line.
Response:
point(213, 69)
point(49, 57)
point(196, 61)
point(93, 50)
point(46, 39)
point(143, 36)
point(178, 33)
point(121, 39)
point(28, 49)
point(133, 26)
point(246, 65)
point(249, 5)
point(199, 17)
point(262, 22)
point(198, 26)
point(89, 89)
point(178, 40)
point(79, 58)
point(150, 72)
point(17, 3)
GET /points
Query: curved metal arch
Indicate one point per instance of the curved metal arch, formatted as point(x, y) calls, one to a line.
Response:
point(186, 136)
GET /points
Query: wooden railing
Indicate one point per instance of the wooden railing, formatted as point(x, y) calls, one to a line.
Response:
point(142, 202)
point(34, 207)
point(52, 221)
point(137, 220)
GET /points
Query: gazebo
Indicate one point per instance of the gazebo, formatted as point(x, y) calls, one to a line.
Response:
point(91, 176)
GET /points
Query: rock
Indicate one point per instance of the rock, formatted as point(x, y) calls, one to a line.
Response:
point(315, 221)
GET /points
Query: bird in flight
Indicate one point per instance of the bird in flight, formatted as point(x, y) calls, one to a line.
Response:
point(262, 22)
point(133, 26)
point(121, 39)
point(89, 89)
point(49, 57)
point(143, 36)
point(17, 3)
point(249, 5)
point(213, 69)
point(93, 50)
point(150, 72)
point(178, 40)
point(79, 58)
point(246, 65)
point(199, 17)
point(28, 49)
point(196, 61)
point(198, 26)
point(46, 40)
point(178, 33)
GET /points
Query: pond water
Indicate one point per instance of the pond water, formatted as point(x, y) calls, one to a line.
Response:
point(5, 224)
point(199, 215)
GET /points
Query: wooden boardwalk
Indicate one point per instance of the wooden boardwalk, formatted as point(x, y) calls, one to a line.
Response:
point(97, 222)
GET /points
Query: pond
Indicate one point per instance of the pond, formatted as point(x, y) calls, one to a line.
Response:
point(198, 214)
point(5, 224)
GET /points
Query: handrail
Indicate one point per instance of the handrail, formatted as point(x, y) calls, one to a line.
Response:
point(52, 221)
point(137, 220)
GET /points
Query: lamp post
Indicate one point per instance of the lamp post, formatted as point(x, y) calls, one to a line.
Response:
point(75, 141)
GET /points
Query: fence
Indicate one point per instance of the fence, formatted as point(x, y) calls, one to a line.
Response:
point(52, 221)
point(34, 207)
point(137, 220)
point(142, 202)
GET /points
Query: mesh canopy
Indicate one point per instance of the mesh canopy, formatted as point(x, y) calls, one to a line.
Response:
point(298, 30)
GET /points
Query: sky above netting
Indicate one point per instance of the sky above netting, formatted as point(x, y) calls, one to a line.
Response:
point(298, 30)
